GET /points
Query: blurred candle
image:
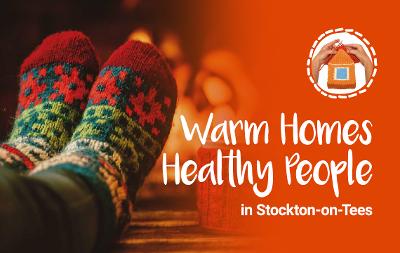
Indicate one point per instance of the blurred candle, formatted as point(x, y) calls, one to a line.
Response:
point(142, 35)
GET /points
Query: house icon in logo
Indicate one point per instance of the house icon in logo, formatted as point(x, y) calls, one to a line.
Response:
point(341, 71)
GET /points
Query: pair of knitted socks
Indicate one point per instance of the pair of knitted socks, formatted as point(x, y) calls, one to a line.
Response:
point(108, 130)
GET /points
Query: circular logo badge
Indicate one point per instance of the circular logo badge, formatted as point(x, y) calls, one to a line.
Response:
point(342, 64)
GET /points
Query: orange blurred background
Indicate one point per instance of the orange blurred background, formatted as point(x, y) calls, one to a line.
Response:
point(274, 38)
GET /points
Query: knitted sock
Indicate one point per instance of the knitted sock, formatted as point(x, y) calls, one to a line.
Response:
point(55, 80)
point(122, 132)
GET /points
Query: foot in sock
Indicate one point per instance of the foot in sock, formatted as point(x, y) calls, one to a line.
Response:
point(54, 83)
point(122, 132)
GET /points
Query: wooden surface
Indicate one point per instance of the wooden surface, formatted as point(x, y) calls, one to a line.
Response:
point(173, 231)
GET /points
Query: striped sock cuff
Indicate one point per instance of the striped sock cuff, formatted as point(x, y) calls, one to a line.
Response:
point(105, 180)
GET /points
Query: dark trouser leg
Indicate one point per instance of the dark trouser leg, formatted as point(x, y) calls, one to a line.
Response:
point(48, 212)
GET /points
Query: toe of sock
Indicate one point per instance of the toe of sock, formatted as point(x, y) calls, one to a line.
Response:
point(146, 59)
point(67, 47)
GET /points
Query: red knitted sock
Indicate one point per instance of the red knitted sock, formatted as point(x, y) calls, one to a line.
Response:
point(55, 80)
